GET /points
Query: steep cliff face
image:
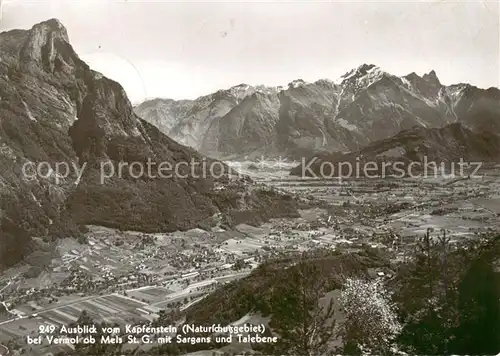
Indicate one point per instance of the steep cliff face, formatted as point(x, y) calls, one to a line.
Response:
point(365, 105)
point(77, 126)
point(249, 126)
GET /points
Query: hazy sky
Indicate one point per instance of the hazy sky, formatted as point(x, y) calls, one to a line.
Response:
point(186, 49)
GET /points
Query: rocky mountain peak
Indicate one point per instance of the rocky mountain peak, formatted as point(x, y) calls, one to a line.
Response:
point(364, 68)
point(296, 83)
point(412, 76)
point(241, 91)
point(241, 86)
point(47, 45)
point(360, 71)
point(53, 25)
point(362, 76)
point(432, 78)
point(46, 32)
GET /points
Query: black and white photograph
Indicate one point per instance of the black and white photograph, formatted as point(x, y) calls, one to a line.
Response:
point(237, 178)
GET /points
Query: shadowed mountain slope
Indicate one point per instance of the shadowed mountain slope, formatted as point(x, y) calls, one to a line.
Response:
point(55, 110)
point(447, 146)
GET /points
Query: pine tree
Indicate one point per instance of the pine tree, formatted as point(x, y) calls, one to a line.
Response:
point(479, 310)
point(304, 326)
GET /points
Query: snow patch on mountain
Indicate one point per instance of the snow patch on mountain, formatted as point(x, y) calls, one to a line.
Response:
point(29, 113)
point(346, 125)
point(406, 83)
point(393, 152)
point(296, 83)
point(241, 91)
point(363, 76)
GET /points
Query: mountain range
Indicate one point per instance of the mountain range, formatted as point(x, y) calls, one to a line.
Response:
point(363, 106)
point(54, 111)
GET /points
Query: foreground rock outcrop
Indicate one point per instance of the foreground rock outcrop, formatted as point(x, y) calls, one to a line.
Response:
point(76, 126)
point(365, 105)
